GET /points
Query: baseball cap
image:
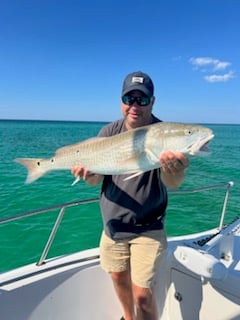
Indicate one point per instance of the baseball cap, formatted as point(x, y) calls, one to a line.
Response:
point(138, 81)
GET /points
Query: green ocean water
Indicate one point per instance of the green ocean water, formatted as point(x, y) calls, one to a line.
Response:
point(22, 241)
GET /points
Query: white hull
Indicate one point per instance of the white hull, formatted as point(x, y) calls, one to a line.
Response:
point(199, 279)
point(75, 287)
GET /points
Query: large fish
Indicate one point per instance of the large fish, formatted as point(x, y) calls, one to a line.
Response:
point(132, 152)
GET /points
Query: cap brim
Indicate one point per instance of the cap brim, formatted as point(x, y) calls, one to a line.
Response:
point(139, 88)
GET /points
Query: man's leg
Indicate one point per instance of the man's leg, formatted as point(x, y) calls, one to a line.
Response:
point(123, 287)
point(146, 254)
point(115, 259)
point(145, 303)
point(131, 296)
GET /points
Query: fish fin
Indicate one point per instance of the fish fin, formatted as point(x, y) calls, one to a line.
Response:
point(76, 181)
point(133, 175)
point(35, 170)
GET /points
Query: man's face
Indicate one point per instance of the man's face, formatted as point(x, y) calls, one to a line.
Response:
point(136, 109)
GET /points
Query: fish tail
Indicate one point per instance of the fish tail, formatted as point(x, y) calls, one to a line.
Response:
point(35, 170)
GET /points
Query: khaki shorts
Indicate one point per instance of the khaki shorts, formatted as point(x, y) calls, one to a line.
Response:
point(144, 253)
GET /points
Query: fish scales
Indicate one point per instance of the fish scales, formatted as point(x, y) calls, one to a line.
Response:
point(131, 152)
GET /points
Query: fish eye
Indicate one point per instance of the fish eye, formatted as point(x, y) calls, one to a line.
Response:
point(188, 132)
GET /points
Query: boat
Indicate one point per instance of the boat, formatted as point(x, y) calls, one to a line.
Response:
point(199, 278)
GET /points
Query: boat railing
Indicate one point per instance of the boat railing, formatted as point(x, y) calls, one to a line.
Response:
point(66, 205)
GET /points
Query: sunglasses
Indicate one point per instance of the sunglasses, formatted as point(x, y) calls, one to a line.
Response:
point(141, 101)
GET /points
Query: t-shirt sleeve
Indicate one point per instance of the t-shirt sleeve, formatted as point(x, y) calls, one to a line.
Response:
point(112, 128)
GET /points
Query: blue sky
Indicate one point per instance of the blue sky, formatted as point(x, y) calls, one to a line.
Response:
point(66, 59)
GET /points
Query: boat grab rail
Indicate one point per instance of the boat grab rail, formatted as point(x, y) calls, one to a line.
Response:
point(63, 207)
point(228, 187)
point(50, 208)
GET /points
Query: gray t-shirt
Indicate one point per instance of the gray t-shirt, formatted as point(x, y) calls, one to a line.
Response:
point(133, 206)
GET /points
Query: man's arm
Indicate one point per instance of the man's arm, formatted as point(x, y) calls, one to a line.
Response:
point(173, 167)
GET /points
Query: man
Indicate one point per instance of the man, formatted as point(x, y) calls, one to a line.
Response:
point(133, 240)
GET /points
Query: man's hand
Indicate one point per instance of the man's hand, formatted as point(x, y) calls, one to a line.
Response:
point(80, 172)
point(173, 165)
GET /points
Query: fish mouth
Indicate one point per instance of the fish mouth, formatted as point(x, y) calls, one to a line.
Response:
point(201, 146)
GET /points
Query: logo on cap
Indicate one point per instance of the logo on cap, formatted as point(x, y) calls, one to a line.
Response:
point(137, 79)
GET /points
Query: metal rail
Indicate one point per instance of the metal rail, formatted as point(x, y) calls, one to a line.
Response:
point(63, 207)
point(228, 187)
point(38, 211)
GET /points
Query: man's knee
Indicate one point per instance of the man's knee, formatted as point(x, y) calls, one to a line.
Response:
point(144, 299)
point(120, 277)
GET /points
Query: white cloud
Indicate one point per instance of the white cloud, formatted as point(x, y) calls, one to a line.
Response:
point(221, 65)
point(212, 64)
point(220, 78)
